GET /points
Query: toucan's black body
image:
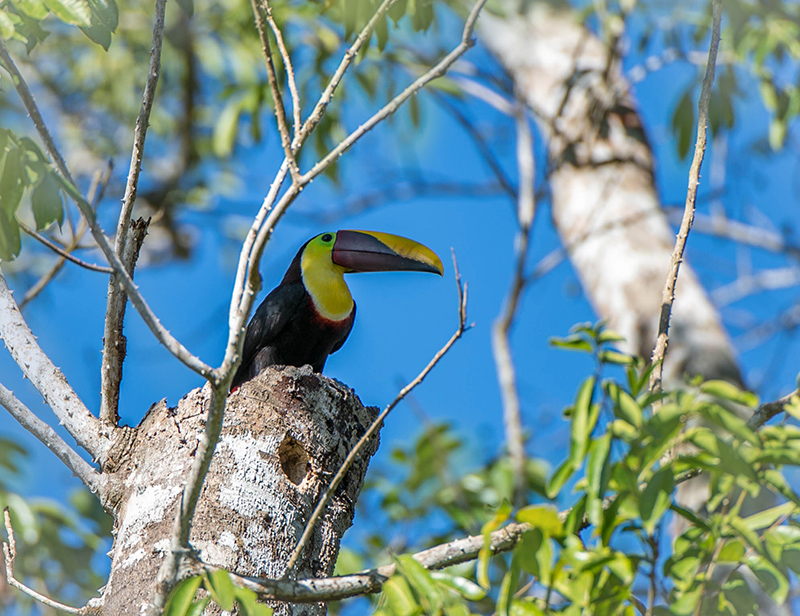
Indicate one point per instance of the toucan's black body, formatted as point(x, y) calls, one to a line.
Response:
point(289, 327)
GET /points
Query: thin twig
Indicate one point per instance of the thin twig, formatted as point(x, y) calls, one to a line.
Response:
point(437, 71)
point(10, 553)
point(147, 314)
point(277, 97)
point(287, 64)
point(348, 58)
point(95, 194)
point(668, 296)
point(50, 438)
point(63, 252)
point(503, 359)
point(113, 348)
point(373, 428)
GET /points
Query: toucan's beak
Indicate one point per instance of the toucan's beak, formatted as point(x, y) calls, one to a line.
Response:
point(371, 251)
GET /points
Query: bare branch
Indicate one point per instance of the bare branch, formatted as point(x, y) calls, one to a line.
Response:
point(287, 63)
point(149, 317)
point(96, 190)
point(373, 428)
point(277, 97)
point(437, 71)
point(88, 431)
point(766, 280)
point(62, 252)
point(113, 348)
point(10, 553)
point(768, 410)
point(504, 361)
point(115, 344)
point(327, 94)
point(50, 438)
point(668, 296)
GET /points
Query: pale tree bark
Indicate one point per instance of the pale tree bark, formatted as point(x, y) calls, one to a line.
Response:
point(605, 204)
point(285, 433)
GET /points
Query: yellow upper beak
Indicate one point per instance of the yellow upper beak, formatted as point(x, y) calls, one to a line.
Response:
point(373, 251)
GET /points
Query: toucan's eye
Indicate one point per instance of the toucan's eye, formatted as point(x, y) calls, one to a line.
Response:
point(327, 238)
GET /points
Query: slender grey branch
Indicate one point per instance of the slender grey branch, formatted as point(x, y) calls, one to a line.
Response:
point(277, 97)
point(87, 430)
point(504, 361)
point(10, 553)
point(349, 56)
point(668, 296)
point(50, 438)
point(768, 410)
point(63, 252)
point(287, 63)
point(115, 344)
point(96, 190)
point(113, 340)
point(373, 428)
point(437, 71)
point(149, 317)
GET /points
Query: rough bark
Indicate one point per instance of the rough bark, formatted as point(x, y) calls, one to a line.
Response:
point(285, 433)
point(604, 199)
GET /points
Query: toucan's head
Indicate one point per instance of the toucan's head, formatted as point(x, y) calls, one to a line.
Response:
point(371, 251)
point(324, 259)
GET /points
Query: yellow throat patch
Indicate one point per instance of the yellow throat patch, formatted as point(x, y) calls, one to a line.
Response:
point(324, 280)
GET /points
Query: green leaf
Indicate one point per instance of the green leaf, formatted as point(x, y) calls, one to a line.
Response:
point(574, 342)
point(778, 482)
point(400, 599)
point(47, 203)
point(198, 607)
point(583, 422)
point(559, 478)
point(74, 12)
point(248, 603)
point(421, 583)
point(503, 512)
point(656, 498)
point(598, 471)
point(625, 407)
point(534, 554)
point(226, 127)
point(508, 587)
point(683, 123)
point(543, 517)
point(727, 420)
point(218, 584)
point(466, 588)
point(728, 391)
point(768, 517)
point(616, 358)
point(732, 552)
point(35, 9)
point(9, 236)
point(771, 579)
point(609, 335)
point(11, 186)
point(180, 599)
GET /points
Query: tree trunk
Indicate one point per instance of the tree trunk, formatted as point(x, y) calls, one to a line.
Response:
point(604, 200)
point(285, 434)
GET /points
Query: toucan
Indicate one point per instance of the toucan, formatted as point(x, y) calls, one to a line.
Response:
point(310, 313)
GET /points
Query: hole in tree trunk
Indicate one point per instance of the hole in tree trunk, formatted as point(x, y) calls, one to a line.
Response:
point(294, 459)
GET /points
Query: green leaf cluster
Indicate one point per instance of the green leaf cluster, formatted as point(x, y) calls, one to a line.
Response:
point(26, 176)
point(217, 588)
